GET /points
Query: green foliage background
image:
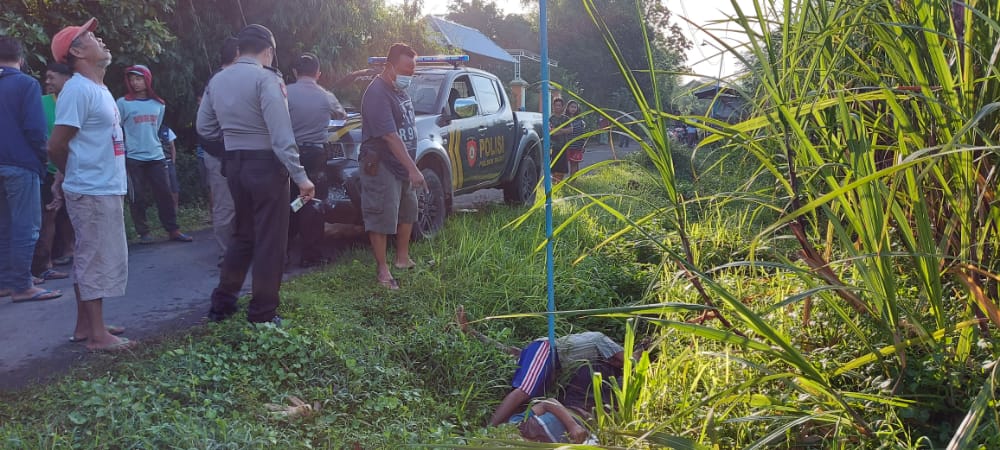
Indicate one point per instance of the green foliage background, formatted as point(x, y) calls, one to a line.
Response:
point(180, 40)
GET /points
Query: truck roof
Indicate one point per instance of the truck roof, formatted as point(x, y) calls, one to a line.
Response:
point(443, 70)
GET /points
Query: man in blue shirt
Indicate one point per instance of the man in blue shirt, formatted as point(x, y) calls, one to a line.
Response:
point(141, 116)
point(22, 164)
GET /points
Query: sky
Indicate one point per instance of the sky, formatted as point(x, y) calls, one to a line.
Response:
point(703, 58)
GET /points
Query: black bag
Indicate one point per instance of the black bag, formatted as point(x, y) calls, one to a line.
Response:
point(212, 147)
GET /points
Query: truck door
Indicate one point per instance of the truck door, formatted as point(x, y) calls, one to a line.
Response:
point(486, 156)
point(459, 131)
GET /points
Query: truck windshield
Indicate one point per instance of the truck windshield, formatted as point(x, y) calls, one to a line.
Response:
point(424, 92)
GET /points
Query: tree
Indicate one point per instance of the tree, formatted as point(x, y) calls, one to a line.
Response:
point(180, 39)
point(575, 42)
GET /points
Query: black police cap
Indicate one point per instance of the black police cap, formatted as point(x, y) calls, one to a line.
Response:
point(257, 32)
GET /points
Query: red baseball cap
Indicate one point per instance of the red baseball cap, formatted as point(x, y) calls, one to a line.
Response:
point(65, 37)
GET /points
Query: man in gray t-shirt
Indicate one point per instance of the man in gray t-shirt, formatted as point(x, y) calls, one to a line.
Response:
point(389, 173)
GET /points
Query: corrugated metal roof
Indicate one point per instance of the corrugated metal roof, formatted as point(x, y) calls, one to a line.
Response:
point(468, 39)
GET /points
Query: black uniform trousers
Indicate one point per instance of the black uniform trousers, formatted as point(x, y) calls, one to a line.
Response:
point(151, 175)
point(258, 183)
point(308, 222)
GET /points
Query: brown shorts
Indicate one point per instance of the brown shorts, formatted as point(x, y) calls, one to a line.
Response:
point(100, 257)
point(386, 201)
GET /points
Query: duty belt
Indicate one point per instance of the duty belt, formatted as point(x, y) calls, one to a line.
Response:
point(236, 155)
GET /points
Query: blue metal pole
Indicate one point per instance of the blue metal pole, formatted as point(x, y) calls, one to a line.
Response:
point(547, 164)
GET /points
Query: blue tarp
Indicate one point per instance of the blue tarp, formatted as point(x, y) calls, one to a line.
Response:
point(468, 39)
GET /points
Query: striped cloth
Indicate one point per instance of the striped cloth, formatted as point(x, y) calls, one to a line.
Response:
point(579, 127)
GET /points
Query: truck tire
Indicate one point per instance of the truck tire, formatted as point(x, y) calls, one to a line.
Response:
point(431, 208)
point(521, 189)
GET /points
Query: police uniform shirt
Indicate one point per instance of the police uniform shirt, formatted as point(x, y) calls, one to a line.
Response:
point(255, 113)
point(311, 107)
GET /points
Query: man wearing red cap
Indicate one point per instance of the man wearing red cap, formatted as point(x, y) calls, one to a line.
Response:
point(87, 146)
point(145, 161)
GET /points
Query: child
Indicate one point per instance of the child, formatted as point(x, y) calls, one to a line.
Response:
point(577, 127)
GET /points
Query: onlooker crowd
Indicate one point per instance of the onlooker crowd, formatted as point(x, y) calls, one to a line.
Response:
point(71, 158)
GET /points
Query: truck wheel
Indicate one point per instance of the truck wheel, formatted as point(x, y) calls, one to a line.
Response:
point(431, 208)
point(521, 189)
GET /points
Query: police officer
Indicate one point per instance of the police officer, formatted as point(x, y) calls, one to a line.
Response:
point(260, 156)
point(311, 108)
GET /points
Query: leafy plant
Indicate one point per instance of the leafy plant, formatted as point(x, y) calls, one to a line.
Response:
point(873, 120)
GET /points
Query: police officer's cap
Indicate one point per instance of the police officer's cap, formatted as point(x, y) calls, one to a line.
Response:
point(257, 32)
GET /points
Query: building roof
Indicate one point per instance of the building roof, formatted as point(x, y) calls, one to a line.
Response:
point(468, 39)
point(714, 90)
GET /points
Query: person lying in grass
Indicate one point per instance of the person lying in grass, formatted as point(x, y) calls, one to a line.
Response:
point(536, 371)
point(548, 420)
point(563, 419)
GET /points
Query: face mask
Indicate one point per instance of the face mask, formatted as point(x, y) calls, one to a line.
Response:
point(403, 81)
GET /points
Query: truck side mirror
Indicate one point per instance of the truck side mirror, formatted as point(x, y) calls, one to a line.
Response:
point(466, 107)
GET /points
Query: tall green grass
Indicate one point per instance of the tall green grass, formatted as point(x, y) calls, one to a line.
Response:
point(875, 120)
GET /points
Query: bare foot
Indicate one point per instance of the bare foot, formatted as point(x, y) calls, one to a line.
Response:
point(407, 264)
point(390, 284)
point(112, 329)
point(114, 344)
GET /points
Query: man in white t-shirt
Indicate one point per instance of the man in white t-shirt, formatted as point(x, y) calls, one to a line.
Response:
point(87, 146)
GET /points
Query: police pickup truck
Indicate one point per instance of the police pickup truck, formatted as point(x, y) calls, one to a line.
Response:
point(470, 138)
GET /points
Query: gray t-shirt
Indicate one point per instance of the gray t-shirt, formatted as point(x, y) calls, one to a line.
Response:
point(386, 110)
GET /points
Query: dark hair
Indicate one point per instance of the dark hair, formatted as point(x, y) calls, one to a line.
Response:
point(227, 54)
point(59, 68)
point(307, 64)
point(399, 49)
point(10, 49)
point(253, 46)
point(558, 99)
point(255, 38)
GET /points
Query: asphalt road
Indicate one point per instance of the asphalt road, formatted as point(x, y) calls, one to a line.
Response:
point(168, 288)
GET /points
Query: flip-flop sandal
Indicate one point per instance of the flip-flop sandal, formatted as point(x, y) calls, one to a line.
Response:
point(390, 284)
point(53, 275)
point(405, 266)
point(114, 330)
point(44, 295)
point(181, 237)
point(6, 293)
point(36, 281)
point(62, 260)
point(122, 345)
